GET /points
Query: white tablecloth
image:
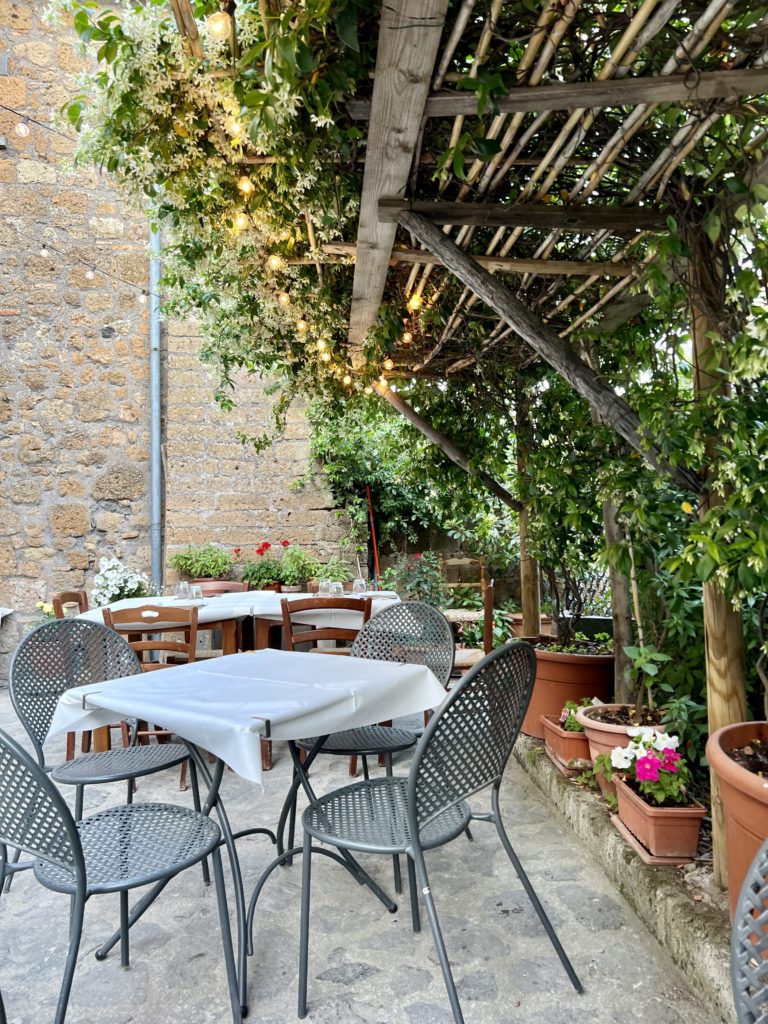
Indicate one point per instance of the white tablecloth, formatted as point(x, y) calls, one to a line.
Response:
point(224, 704)
point(261, 603)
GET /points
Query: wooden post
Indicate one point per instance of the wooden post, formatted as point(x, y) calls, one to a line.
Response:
point(529, 567)
point(723, 626)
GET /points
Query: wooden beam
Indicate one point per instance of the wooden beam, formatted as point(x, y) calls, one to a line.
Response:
point(613, 409)
point(187, 26)
point(618, 220)
point(409, 36)
point(731, 83)
point(504, 264)
point(454, 453)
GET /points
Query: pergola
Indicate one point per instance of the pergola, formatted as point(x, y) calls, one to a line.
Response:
point(572, 167)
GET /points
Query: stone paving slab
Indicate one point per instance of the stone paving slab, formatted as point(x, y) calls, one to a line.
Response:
point(366, 966)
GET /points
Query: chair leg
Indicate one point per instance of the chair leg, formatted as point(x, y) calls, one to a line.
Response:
point(395, 857)
point(196, 804)
point(14, 860)
point(85, 743)
point(414, 894)
point(183, 776)
point(533, 897)
point(79, 803)
point(353, 766)
point(437, 935)
point(70, 754)
point(77, 911)
point(366, 776)
point(226, 937)
point(124, 926)
point(306, 882)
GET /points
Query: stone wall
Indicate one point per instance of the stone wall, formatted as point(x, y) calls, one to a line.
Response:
point(74, 410)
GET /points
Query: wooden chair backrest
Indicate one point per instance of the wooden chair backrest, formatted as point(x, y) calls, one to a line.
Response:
point(138, 625)
point(462, 561)
point(488, 618)
point(214, 587)
point(306, 634)
point(78, 597)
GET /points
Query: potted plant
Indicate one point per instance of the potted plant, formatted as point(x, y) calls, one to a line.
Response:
point(263, 572)
point(203, 562)
point(417, 577)
point(336, 570)
point(564, 739)
point(652, 781)
point(297, 567)
point(115, 581)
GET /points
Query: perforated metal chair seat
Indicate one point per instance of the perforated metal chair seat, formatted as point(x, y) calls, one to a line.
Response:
point(133, 845)
point(368, 740)
point(372, 817)
point(121, 763)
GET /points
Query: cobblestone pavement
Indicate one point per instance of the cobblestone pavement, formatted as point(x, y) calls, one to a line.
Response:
point(366, 966)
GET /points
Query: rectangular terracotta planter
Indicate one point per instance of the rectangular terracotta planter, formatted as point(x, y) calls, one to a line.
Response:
point(569, 750)
point(664, 831)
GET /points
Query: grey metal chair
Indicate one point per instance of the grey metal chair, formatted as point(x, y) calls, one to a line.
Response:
point(463, 750)
point(749, 944)
point(112, 851)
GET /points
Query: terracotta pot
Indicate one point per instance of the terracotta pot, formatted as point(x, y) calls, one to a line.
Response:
point(569, 750)
point(515, 619)
point(744, 797)
point(663, 831)
point(290, 589)
point(561, 677)
point(602, 738)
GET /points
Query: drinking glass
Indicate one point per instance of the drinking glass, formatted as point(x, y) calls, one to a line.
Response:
point(359, 586)
point(337, 590)
point(324, 588)
point(182, 590)
point(196, 592)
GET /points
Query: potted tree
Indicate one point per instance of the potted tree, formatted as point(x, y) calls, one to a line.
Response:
point(203, 562)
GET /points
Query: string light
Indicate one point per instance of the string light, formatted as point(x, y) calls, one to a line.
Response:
point(368, 390)
point(284, 299)
point(322, 344)
point(302, 326)
point(143, 297)
point(388, 364)
point(241, 221)
point(245, 185)
point(325, 356)
point(90, 274)
point(407, 338)
point(414, 302)
point(234, 127)
point(275, 262)
point(346, 379)
point(22, 128)
point(219, 24)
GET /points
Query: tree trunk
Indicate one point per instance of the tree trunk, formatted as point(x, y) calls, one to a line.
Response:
point(529, 567)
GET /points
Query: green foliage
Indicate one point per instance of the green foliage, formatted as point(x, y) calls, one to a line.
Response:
point(568, 719)
point(417, 577)
point(207, 561)
point(297, 566)
point(336, 570)
point(263, 571)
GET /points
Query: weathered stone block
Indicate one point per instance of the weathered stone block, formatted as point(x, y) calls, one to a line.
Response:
point(70, 520)
point(119, 482)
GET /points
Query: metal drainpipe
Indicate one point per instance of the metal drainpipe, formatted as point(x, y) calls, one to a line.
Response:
point(155, 413)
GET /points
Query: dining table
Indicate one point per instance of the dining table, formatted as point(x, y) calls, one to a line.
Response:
point(227, 705)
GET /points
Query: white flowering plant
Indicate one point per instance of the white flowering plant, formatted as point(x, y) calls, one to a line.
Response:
point(652, 764)
point(115, 581)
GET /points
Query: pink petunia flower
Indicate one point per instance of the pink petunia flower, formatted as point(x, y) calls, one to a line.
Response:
point(647, 768)
point(669, 761)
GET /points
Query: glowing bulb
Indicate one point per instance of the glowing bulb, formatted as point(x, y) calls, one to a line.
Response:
point(143, 297)
point(22, 128)
point(302, 326)
point(414, 302)
point(368, 390)
point(388, 364)
point(219, 24)
point(90, 274)
point(274, 262)
point(321, 345)
point(234, 127)
point(284, 299)
point(325, 356)
point(407, 338)
point(241, 221)
point(346, 379)
point(245, 185)
point(383, 380)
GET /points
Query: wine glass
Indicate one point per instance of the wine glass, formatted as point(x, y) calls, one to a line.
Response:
point(182, 590)
point(196, 592)
point(337, 590)
point(324, 588)
point(359, 586)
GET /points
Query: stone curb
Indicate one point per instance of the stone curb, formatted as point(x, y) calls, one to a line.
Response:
point(694, 935)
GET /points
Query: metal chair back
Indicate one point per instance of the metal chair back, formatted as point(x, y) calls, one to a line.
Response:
point(468, 741)
point(408, 632)
point(33, 815)
point(57, 656)
point(749, 943)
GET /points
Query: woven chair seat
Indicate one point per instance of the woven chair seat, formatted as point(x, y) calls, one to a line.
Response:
point(133, 845)
point(372, 817)
point(121, 763)
point(369, 740)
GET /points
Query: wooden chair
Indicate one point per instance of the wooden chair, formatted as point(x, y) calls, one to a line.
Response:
point(78, 597)
point(460, 562)
point(145, 627)
point(212, 588)
point(302, 633)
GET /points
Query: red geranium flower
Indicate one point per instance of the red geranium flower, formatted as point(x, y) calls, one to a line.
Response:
point(285, 543)
point(417, 556)
point(238, 550)
point(260, 551)
point(266, 545)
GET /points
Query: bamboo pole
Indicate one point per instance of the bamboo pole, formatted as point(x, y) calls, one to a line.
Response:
point(529, 567)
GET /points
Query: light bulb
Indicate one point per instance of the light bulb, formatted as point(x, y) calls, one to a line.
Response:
point(302, 326)
point(325, 356)
point(143, 297)
point(284, 299)
point(346, 379)
point(368, 390)
point(245, 185)
point(388, 364)
point(414, 302)
point(234, 127)
point(241, 221)
point(407, 337)
point(219, 24)
point(321, 345)
point(90, 274)
point(275, 262)
point(22, 128)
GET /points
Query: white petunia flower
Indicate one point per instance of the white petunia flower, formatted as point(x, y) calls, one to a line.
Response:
point(622, 757)
point(665, 742)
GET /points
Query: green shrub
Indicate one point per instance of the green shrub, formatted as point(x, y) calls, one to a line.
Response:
point(206, 561)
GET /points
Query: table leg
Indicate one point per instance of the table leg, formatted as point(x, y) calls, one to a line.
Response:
point(228, 636)
point(261, 628)
point(102, 739)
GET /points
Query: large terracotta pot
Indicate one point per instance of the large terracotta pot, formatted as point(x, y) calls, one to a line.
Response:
point(515, 619)
point(602, 738)
point(663, 831)
point(744, 797)
point(561, 677)
point(569, 750)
